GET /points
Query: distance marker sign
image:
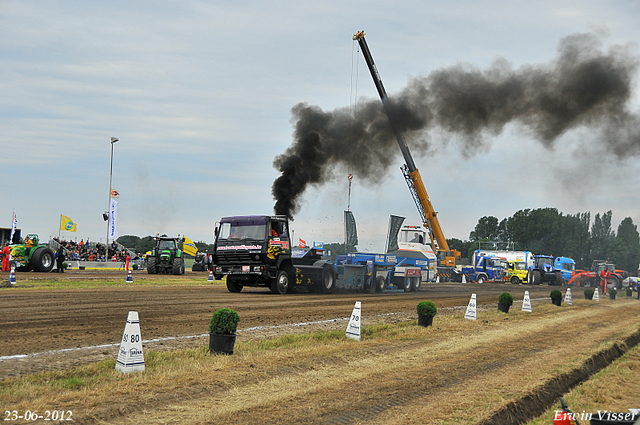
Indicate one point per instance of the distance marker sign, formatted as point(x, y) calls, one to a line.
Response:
point(130, 355)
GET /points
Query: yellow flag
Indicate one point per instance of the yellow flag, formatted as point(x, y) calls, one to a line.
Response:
point(67, 224)
point(189, 247)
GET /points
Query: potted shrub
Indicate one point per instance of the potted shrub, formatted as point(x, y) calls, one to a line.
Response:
point(612, 293)
point(505, 301)
point(222, 331)
point(556, 297)
point(426, 311)
point(588, 294)
point(629, 292)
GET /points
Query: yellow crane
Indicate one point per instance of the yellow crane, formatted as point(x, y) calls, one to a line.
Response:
point(446, 256)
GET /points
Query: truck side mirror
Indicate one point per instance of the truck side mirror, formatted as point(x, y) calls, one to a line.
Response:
point(215, 231)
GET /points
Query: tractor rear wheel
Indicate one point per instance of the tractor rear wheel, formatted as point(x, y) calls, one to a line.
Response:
point(613, 280)
point(151, 265)
point(42, 260)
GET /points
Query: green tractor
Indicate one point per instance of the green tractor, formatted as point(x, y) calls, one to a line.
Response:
point(166, 257)
point(31, 255)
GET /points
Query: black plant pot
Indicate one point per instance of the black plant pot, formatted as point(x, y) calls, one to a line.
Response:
point(588, 297)
point(503, 307)
point(557, 301)
point(424, 320)
point(612, 296)
point(221, 343)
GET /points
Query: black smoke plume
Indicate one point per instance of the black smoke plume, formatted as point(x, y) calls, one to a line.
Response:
point(583, 86)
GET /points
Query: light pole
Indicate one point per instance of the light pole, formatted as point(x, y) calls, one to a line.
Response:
point(113, 140)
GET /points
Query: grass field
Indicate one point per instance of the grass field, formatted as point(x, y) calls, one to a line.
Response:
point(458, 371)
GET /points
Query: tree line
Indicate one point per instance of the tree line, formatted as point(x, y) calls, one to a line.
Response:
point(548, 231)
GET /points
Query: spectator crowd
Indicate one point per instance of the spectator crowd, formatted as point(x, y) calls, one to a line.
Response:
point(92, 251)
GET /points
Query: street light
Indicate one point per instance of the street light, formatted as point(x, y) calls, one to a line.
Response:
point(113, 140)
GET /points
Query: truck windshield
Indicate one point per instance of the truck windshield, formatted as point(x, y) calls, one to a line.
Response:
point(495, 262)
point(240, 231)
point(568, 266)
point(521, 266)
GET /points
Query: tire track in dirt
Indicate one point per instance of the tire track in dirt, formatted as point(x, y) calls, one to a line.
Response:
point(390, 378)
point(538, 401)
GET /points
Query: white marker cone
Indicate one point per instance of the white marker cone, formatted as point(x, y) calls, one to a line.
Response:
point(567, 297)
point(353, 328)
point(129, 277)
point(437, 278)
point(130, 356)
point(471, 308)
point(596, 296)
point(210, 278)
point(526, 302)
point(464, 279)
point(12, 276)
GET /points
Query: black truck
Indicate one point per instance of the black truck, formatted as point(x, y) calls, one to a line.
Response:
point(256, 251)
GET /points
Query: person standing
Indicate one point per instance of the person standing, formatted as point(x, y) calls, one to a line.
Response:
point(6, 253)
point(60, 259)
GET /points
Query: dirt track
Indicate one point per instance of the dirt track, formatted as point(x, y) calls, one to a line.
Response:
point(40, 320)
point(450, 374)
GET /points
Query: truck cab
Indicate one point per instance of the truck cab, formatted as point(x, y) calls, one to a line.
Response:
point(256, 251)
point(566, 266)
point(485, 268)
point(517, 272)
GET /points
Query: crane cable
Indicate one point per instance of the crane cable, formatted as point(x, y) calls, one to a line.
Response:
point(353, 104)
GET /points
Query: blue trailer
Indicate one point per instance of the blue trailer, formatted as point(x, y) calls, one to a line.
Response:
point(381, 272)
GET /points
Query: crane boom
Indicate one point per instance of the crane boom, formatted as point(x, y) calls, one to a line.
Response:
point(410, 171)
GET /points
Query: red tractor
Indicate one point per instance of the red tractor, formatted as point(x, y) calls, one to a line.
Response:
point(600, 270)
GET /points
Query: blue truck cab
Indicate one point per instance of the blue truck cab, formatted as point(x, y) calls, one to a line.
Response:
point(565, 265)
point(485, 268)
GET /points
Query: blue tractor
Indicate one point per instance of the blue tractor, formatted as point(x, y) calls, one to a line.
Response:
point(543, 271)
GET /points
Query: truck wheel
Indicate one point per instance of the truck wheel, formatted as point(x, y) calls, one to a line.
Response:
point(408, 284)
point(280, 284)
point(328, 280)
point(151, 265)
point(380, 283)
point(535, 277)
point(233, 285)
point(515, 280)
point(417, 281)
point(42, 260)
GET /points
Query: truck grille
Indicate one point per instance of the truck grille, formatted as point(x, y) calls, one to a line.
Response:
point(235, 258)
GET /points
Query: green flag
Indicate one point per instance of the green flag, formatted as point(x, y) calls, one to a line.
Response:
point(351, 233)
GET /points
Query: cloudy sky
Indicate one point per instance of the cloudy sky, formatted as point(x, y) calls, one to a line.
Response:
point(200, 95)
